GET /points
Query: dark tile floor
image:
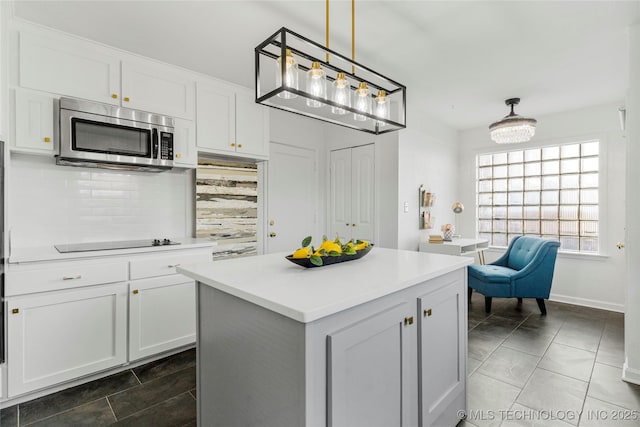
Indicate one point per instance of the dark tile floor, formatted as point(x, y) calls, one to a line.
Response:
point(524, 370)
point(160, 393)
point(560, 370)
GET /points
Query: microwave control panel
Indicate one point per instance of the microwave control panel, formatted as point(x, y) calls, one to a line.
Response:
point(166, 146)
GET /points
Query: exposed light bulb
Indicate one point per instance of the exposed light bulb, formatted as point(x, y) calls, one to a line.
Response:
point(290, 75)
point(316, 84)
point(382, 107)
point(341, 94)
point(362, 101)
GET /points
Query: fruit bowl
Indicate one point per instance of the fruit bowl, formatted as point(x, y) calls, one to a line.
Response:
point(328, 260)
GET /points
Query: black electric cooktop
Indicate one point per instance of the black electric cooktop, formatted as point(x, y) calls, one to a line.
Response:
point(121, 244)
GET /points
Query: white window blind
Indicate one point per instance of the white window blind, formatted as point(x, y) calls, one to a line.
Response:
point(550, 192)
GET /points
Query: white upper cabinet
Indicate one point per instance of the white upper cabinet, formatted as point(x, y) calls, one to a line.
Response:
point(230, 122)
point(68, 66)
point(184, 144)
point(157, 88)
point(252, 126)
point(216, 117)
point(77, 68)
point(35, 130)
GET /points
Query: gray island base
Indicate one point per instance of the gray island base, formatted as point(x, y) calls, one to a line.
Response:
point(380, 341)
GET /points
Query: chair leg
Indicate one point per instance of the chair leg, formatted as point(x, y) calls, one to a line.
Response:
point(470, 291)
point(487, 304)
point(543, 309)
point(519, 305)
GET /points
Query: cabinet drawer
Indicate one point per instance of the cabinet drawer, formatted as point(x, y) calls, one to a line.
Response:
point(72, 275)
point(161, 265)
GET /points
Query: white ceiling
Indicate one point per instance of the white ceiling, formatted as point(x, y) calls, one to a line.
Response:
point(459, 59)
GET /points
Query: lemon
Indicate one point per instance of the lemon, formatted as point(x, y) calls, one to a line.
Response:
point(302, 253)
point(362, 245)
point(329, 246)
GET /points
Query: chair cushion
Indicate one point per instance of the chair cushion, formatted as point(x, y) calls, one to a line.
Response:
point(491, 273)
point(523, 251)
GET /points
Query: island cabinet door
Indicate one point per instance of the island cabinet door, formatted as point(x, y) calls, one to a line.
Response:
point(367, 368)
point(441, 348)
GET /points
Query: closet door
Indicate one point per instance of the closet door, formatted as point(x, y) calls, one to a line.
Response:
point(340, 193)
point(362, 192)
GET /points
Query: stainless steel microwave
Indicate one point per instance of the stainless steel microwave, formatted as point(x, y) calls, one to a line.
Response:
point(107, 136)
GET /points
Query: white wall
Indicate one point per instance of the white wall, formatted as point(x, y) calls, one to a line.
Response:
point(631, 371)
point(50, 204)
point(427, 155)
point(584, 280)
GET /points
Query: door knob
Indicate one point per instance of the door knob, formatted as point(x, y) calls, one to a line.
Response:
point(272, 234)
point(620, 245)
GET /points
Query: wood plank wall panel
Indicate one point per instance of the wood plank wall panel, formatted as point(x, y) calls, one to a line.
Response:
point(227, 206)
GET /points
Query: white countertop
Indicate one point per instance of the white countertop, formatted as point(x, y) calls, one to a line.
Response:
point(305, 295)
point(49, 253)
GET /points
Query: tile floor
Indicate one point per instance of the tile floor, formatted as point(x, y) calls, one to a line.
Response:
point(560, 370)
point(160, 393)
point(524, 370)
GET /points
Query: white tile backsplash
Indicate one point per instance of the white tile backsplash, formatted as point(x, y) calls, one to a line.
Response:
point(50, 204)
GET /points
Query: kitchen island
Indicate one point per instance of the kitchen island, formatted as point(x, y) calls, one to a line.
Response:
point(380, 341)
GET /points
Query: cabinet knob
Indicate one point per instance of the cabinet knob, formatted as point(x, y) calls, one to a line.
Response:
point(47, 139)
point(178, 155)
point(114, 95)
point(72, 277)
point(233, 144)
point(173, 265)
point(348, 224)
point(239, 145)
point(272, 234)
point(408, 320)
point(427, 312)
point(15, 311)
point(135, 292)
point(353, 225)
point(126, 99)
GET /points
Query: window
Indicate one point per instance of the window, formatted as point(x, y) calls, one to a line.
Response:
point(550, 192)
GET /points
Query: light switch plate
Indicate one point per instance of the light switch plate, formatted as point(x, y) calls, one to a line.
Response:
point(406, 207)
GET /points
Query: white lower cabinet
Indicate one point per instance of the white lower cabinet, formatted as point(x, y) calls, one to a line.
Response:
point(378, 345)
point(442, 354)
point(59, 336)
point(162, 315)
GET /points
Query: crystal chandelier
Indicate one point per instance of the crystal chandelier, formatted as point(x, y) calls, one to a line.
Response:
point(337, 89)
point(513, 128)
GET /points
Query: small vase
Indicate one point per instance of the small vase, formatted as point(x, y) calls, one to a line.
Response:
point(447, 235)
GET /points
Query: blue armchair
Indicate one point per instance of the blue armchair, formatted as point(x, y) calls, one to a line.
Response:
point(524, 271)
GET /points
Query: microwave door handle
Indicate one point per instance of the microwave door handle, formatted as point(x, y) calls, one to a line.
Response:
point(154, 139)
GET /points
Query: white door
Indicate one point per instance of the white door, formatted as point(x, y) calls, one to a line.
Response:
point(362, 192)
point(340, 205)
point(291, 197)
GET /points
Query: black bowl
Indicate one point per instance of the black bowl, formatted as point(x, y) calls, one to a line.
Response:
point(328, 260)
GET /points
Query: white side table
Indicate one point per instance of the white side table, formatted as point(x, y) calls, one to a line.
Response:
point(464, 247)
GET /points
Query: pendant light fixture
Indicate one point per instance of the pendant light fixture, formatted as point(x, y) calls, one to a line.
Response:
point(513, 128)
point(337, 89)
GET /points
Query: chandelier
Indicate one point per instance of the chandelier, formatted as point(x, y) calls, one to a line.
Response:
point(513, 128)
point(336, 89)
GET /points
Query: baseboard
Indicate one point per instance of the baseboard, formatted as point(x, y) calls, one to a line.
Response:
point(630, 375)
point(587, 302)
